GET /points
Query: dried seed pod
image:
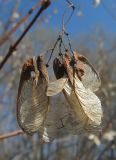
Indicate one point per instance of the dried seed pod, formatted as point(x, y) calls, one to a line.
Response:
point(85, 104)
point(32, 102)
point(89, 76)
point(59, 122)
point(87, 107)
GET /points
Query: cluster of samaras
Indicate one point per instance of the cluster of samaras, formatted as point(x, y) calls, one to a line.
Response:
point(78, 81)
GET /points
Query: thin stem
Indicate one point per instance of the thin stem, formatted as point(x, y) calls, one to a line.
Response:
point(47, 64)
point(69, 42)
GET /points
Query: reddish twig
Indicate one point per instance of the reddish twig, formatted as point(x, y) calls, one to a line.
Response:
point(12, 48)
point(11, 134)
point(9, 21)
point(8, 34)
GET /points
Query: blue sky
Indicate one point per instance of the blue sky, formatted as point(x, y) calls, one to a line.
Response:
point(91, 18)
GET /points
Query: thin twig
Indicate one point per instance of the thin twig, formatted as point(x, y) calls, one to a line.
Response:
point(12, 48)
point(11, 134)
point(71, 5)
point(69, 42)
point(11, 16)
point(8, 34)
point(58, 39)
point(64, 23)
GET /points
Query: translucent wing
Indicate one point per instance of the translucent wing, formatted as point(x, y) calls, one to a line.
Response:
point(90, 78)
point(89, 102)
point(32, 106)
point(32, 102)
point(60, 121)
point(86, 105)
point(76, 119)
point(56, 86)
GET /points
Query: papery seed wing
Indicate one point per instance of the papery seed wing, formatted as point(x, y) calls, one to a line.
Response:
point(60, 121)
point(90, 102)
point(86, 105)
point(56, 86)
point(90, 78)
point(33, 107)
point(32, 102)
point(71, 97)
point(83, 102)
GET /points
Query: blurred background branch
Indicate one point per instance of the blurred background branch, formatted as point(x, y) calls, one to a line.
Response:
point(11, 134)
point(7, 35)
point(12, 48)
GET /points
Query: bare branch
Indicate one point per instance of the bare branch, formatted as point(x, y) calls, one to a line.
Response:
point(11, 134)
point(8, 34)
point(12, 48)
point(11, 16)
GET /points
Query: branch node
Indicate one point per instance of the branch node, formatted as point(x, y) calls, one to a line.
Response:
point(45, 3)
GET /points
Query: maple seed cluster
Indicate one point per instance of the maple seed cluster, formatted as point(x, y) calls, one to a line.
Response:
point(77, 80)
